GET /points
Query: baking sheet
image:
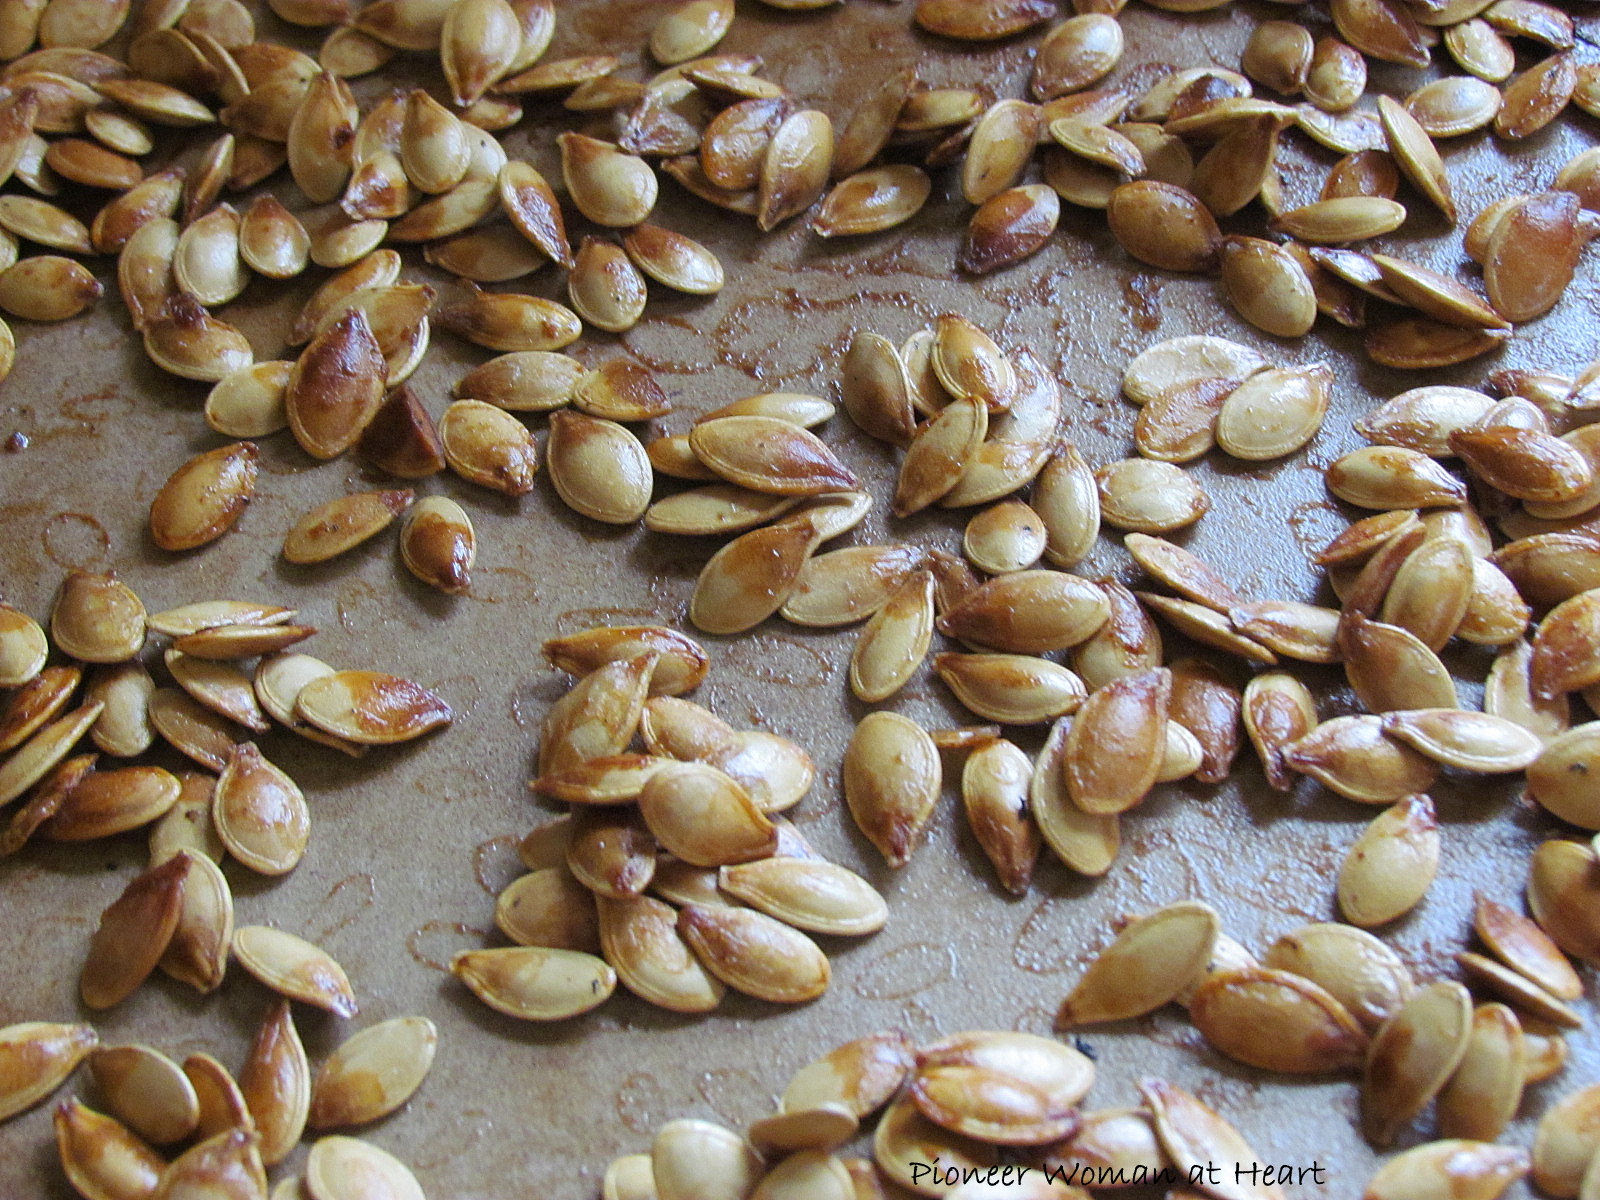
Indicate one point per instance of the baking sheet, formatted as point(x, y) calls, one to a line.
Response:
point(409, 846)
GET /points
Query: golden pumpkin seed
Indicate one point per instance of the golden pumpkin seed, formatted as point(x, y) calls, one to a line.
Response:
point(1148, 496)
point(872, 201)
point(795, 169)
point(36, 756)
point(47, 288)
point(260, 814)
point(905, 1139)
point(849, 585)
point(346, 1168)
point(1194, 1136)
point(371, 708)
point(1452, 1167)
point(276, 1084)
point(102, 1157)
point(294, 968)
point(1412, 1057)
point(1164, 225)
point(690, 1159)
point(1277, 1021)
point(819, 897)
point(1149, 963)
point(36, 1057)
point(97, 618)
point(373, 1073)
point(1564, 1142)
point(895, 640)
point(437, 544)
point(342, 524)
point(1028, 612)
point(204, 497)
point(509, 321)
point(1524, 947)
point(892, 776)
point(41, 697)
point(754, 954)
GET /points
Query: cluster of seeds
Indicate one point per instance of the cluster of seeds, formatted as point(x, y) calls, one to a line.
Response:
point(1330, 998)
point(221, 1130)
point(689, 819)
point(1166, 164)
point(178, 915)
point(672, 872)
point(975, 1114)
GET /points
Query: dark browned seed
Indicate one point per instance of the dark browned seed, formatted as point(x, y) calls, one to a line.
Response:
point(1531, 255)
point(401, 438)
point(1164, 225)
point(1536, 97)
point(133, 934)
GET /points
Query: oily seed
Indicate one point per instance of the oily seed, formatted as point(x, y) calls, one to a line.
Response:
point(1086, 842)
point(204, 497)
point(488, 446)
point(849, 585)
point(223, 643)
point(1564, 1143)
point(872, 201)
point(133, 934)
point(681, 663)
point(995, 784)
point(692, 1158)
point(260, 813)
point(438, 545)
point(1527, 996)
point(372, 1073)
point(1356, 968)
point(294, 968)
point(40, 753)
point(371, 708)
point(819, 897)
point(894, 641)
point(347, 1168)
point(1114, 751)
point(1412, 1057)
point(1352, 756)
point(249, 403)
point(860, 1076)
point(641, 941)
point(1013, 689)
point(342, 524)
point(751, 577)
point(892, 777)
point(198, 952)
point(1164, 225)
point(102, 1157)
point(36, 1058)
point(37, 700)
point(1149, 963)
point(1523, 946)
point(755, 954)
point(1267, 286)
point(47, 288)
point(97, 618)
point(1148, 496)
point(104, 803)
point(1277, 1021)
point(275, 1082)
point(1028, 612)
point(1458, 1166)
point(605, 288)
